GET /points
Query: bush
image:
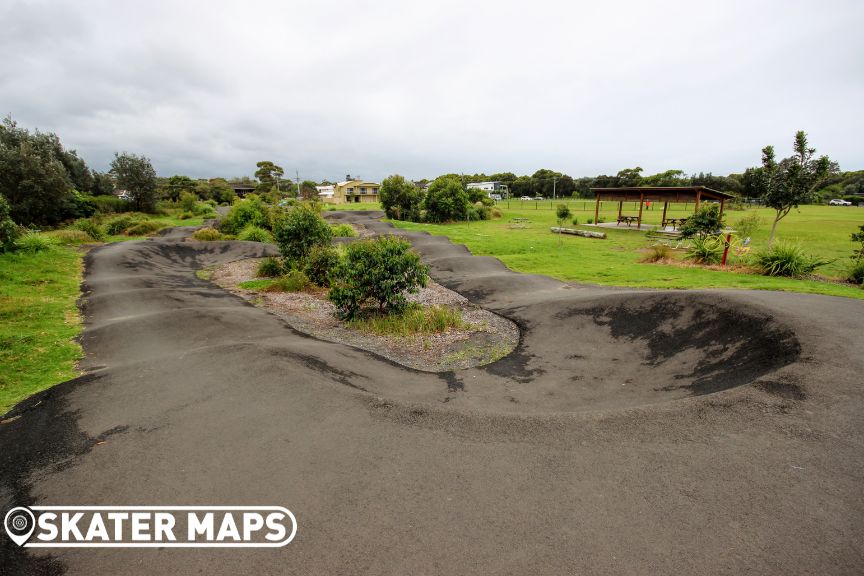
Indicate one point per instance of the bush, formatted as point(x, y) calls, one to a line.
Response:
point(9, 231)
point(576, 221)
point(658, 253)
point(343, 231)
point(119, 224)
point(293, 281)
point(748, 225)
point(252, 233)
point(382, 270)
point(251, 210)
point(33, 242)
point(188, 201)
point(706, 249)
point(110, 204)
point(298, 232)
point(65, 237)
point(705, 222)
point(320, 263)
point(562, 214)
point(400, 198)
point(787, 260)
point(270, 268)
point(856, 273)
point(479, 211)
point(495, 213)
point(90, 227)
point(446, 200)
point(207, 235)
point(144, 228)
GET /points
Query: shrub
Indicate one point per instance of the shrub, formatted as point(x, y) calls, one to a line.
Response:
point(144, 228)
point(706, 250)
point(705, 222)
point(562, 214)
point(65, 237)
point(110, 204)
point(658, 253)
point(207, 235)
point(293, 281)
point(251, 210)
point(787, 260)
point(590, 220)
point(298, 231)
point(576, 221)
point(188, 201)
point(270, 268)
point(495, 213)
point(413, 320)
point(33, 242)
point(400, 198)
point(479, 211)
point(748, 225)
point(343, 231)
point(856, 273)
point(186, 215)
point(322, 260)
point(8, 229)
point(252, 233)
point(446, 200)
point(90, 227)
point(382, 270)
point(119, 224)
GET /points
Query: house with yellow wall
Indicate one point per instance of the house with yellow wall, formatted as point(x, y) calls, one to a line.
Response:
point(351, 190)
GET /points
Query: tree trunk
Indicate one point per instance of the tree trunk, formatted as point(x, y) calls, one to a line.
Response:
point(773, 228)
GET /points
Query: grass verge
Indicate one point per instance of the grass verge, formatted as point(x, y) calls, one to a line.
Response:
point(38, 320)
point(414, 320)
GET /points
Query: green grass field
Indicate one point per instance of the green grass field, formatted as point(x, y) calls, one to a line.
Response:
point(822, 230)
point(38, 321)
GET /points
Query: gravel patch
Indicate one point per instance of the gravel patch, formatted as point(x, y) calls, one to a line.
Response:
point(487, 338)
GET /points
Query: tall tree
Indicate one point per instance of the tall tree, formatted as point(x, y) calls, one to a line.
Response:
point(308, 191)
point(630, 177)
point(136, 175)
point(268, 175)
point(400, 198)
point(178, 184)
point(793, 180)
point(103, 184)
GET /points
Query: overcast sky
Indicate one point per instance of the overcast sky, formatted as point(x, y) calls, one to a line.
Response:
point(424, 88)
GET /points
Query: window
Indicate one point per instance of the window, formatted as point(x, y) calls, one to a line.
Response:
point(350, 190)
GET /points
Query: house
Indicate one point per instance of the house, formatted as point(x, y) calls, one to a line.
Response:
point(243, 189)
point(495, 190)
point(122, 194)
point(351, 190)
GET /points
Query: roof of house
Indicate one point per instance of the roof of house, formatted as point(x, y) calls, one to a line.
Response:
point(660, 192)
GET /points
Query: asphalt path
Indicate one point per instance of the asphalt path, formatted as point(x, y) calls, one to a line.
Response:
point(630, 432)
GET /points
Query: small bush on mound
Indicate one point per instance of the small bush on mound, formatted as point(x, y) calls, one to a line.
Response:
point(320, 263)
point(343, 231)
point(576, 221)
point(144, 228)
point(658, 253)
point(382, 271)
point(270, 268)
point(207, 235)
point(856, 273)
point(119, 224)
point(415, 319)
point(495, 213)
point(293, 281)
point(90, 227)
point(298, 231)
point(251, 210)
point(186, 215)
point(254, 233)
point(66, 237)
point(33, 242)
point(787, 260)
point(705, 250)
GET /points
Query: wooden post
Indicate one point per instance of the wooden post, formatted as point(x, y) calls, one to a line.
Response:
point(641, 202)
point(722, 202)
point(698, 200)
point(597, 209)
point(665, 205)
point(620, 206)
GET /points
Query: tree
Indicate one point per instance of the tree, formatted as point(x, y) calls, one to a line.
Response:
point(793, 180)
point(705, 222)
point(309, 191)
point(221, 191)
point(33, 177)
point(562, 213)
point(667, 178)
point(136, 175)
point(177, 185)
point(446, 200)
point(268, 174)
point(400, 198)
point(630, 177)
point(103, 184)
point(8, 229)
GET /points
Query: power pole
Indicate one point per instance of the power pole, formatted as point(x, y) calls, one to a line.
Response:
point(297, 176)
point(554, 180)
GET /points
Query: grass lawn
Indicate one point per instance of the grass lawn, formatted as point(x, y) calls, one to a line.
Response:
point(822, 230)
point(38, 321)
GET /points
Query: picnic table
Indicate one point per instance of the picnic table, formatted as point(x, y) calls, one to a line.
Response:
point(520, 220)
point(627, 220)
point(674, 222)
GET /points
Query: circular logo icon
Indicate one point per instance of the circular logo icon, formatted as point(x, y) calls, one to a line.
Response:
point(19, 523)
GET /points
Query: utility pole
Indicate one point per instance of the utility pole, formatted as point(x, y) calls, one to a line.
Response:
point(554, 180)
point(297, 176)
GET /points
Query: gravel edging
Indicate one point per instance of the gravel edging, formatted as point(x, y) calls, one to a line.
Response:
point(489, 338)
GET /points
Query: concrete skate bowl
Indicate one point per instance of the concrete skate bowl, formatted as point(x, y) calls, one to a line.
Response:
point(636, 348)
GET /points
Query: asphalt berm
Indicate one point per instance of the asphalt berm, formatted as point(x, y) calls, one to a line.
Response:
point(630, 432)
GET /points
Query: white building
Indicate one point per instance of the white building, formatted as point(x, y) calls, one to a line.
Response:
point(495, 190)
point(325, 193)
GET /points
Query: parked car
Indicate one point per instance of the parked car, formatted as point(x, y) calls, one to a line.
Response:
point(839, 202)
point(525, 198)
point(496, 197)
point(538, 198)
